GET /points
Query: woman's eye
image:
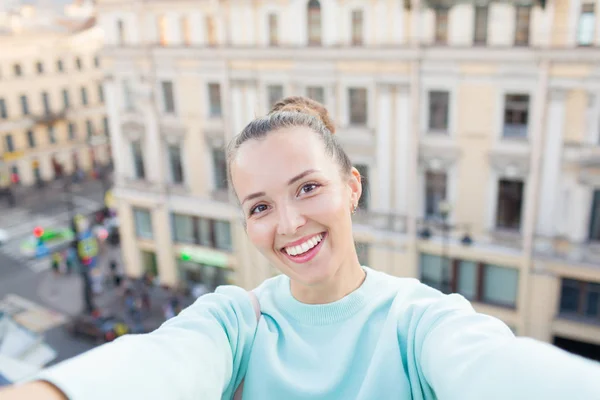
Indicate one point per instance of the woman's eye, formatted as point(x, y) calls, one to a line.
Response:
point(258, 209)
point(308, 188)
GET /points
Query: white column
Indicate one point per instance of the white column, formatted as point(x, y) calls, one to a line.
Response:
point(237, 105)
point(251, 103)
point(401, 152)
point(118, 143)
point(174, 29)
point(460, 28)
point(329, 23)
point(197, 27)
point(581, 212)
point(501, 20)
point(153, 154)
point(551, 165)
point(384, 141)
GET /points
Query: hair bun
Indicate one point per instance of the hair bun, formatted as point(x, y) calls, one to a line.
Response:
point(306, 106)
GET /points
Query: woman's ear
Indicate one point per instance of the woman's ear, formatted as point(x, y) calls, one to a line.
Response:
point(355, 184)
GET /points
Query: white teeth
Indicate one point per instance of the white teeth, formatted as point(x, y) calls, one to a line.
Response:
point(304, 247)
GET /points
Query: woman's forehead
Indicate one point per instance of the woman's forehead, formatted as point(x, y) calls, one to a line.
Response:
point(278, 157)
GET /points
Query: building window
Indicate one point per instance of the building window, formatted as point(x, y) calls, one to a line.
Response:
point(441, 25)
point(439, 104)
point(358, 106)
point(357, 28)
point(500, 285)
point(211, 31)
point(9, 146)
point(363, 202)
point(106, 126)
point(59, 66)
point(183, 229)
point(78, 64)
point(162, 30)
point(127, 95)
point(175, 163)
point(201, 231)
point(314, 23)
point(510, 204)
point(120, 32)
point(51, 135)
point(100, 93)
point(476, 281)
point(516, 115)
point(65, 96)
point(168, 98)
point(435, 192)
point(522, 25)
point(46, 102)
point(24, 105)
point(3, 111)
point(89, 128)
point(186, 31)
point(138, 160)
point(579, 298)
point(273, 30)
point(30, 139)
point(274, 94)
point(84, 98)
point(17, 70)
point(97, 62)
point(594, 234)
point(143, 223)
point(317, 93)
point(39, 67)
point(362, 251)
point(71, 131)
point(585, 28)
point(481, 25)
point(214, 100)
point(219, 169)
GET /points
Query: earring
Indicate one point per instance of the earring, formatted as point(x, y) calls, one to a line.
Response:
point(354, 209)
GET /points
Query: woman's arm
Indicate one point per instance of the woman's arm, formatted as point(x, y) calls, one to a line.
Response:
point(32, 391)
point(465, 355)
point(197, 354)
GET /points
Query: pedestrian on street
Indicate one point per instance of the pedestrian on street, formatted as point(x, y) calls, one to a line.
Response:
point(56, 259)
point(330, 327)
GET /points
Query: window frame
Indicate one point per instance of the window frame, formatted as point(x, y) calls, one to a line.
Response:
point(358, 104)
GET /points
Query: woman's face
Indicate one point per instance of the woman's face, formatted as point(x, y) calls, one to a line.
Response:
point(297, 204)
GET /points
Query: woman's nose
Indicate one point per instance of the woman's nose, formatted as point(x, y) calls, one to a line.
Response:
point(290, 219)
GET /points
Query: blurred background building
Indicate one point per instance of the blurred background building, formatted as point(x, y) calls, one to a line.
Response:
point(52, 116)
point(475, 126)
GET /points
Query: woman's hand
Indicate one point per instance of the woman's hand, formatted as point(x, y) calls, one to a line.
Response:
point(38, 390)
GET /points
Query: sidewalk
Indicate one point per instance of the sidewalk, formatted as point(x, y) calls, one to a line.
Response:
point(64, 293)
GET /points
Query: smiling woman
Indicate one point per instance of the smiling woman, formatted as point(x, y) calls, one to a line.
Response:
point(329, 328)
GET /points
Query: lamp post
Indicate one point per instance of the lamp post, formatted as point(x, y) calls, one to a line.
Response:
point(444, 208)
point(88, 299)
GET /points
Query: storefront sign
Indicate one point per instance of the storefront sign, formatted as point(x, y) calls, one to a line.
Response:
point(203, 256)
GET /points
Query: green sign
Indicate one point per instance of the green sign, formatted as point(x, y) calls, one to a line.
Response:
point(202, 256)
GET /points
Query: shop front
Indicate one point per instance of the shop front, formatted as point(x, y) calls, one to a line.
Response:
point(202, 270)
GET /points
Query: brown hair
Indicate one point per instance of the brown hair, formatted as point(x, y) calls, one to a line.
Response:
point(307, 106)
point(292, 112)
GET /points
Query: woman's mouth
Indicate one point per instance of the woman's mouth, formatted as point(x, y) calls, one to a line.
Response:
point(306, 250)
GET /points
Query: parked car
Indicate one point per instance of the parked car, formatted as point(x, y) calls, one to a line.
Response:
point(101, 329)
point(3, 237)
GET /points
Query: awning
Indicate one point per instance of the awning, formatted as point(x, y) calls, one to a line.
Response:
point(204, 256)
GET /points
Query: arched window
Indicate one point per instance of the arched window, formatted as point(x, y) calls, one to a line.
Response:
point(314, 23)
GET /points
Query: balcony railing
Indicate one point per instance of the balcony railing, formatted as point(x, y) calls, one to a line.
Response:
point(389, 222)
point(561, 248)
point(50, 118)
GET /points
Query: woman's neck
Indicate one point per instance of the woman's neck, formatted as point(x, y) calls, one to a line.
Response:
point(343, 282)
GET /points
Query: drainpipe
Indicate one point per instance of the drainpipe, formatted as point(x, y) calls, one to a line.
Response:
point(533, 188)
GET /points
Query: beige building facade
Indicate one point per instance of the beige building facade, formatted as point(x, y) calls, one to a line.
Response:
point(476, 128)
point(53, 119)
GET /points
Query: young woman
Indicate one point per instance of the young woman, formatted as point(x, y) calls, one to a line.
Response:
point(329, 328)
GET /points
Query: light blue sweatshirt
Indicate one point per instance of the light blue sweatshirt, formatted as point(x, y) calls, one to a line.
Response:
point(392, 338)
